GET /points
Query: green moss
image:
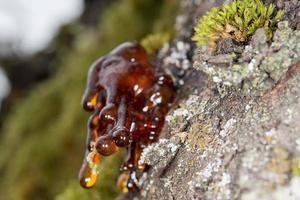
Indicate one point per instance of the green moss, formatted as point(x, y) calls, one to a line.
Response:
point(265, 68)
point(42, 141)
point(238, 20)
point(163, 30)
point(153, 42)
point(296, 167)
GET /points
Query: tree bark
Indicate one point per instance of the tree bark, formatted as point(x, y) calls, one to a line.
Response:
point(231, 142)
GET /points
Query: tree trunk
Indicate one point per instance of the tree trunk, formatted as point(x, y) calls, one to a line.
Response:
point(235, 136)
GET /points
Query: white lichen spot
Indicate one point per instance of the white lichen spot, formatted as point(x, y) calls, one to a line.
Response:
point(187, 111)
point(248, 107)
point(207, 172)
point(227, 83)
point(226, 179)
point(234, 147)
point(178, 56)
point(289, 192)
point(173, 148)
point(227, 128)
point(216, 79)
point(181, 112)
point(224, 192)
point(289, 116)
point(161, 151)
point(167, 182)
point(211, 168)
point(252, 65)
point(249, 160)
point(298, 145)
point(181, 82)
point(271, 132)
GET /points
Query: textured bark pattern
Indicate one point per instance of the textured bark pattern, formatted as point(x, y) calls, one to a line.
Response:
point(225, 143)
point(232, 147)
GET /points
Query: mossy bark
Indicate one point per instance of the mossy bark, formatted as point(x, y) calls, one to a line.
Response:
point(227, 142)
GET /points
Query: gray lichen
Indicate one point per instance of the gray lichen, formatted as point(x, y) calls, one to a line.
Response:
point(228, 141)
point(236, 146)
point(290, 192)
point(158, 153)
point(259, 67)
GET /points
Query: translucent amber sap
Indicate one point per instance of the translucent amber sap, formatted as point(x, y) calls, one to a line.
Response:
point(128, 98)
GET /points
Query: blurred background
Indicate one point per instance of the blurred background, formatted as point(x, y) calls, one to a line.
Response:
point(46, 48)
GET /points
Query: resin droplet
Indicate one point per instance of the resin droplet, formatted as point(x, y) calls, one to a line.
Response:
point(89, 170)
point(129, 98)
point(121, 137)
point(106, 145)
point(87, 177)
point(122, 182)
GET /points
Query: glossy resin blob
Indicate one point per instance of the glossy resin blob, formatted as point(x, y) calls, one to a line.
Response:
point(128, 98)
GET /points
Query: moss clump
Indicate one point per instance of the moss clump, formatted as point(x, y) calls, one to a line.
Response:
point(152, 43)
point(238, 20)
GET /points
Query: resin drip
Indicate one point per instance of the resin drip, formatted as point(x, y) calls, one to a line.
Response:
point(129, 98)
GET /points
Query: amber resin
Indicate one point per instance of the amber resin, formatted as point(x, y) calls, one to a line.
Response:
point(128, 98)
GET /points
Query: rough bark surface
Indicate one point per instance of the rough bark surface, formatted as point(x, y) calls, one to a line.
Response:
point(234, 134)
